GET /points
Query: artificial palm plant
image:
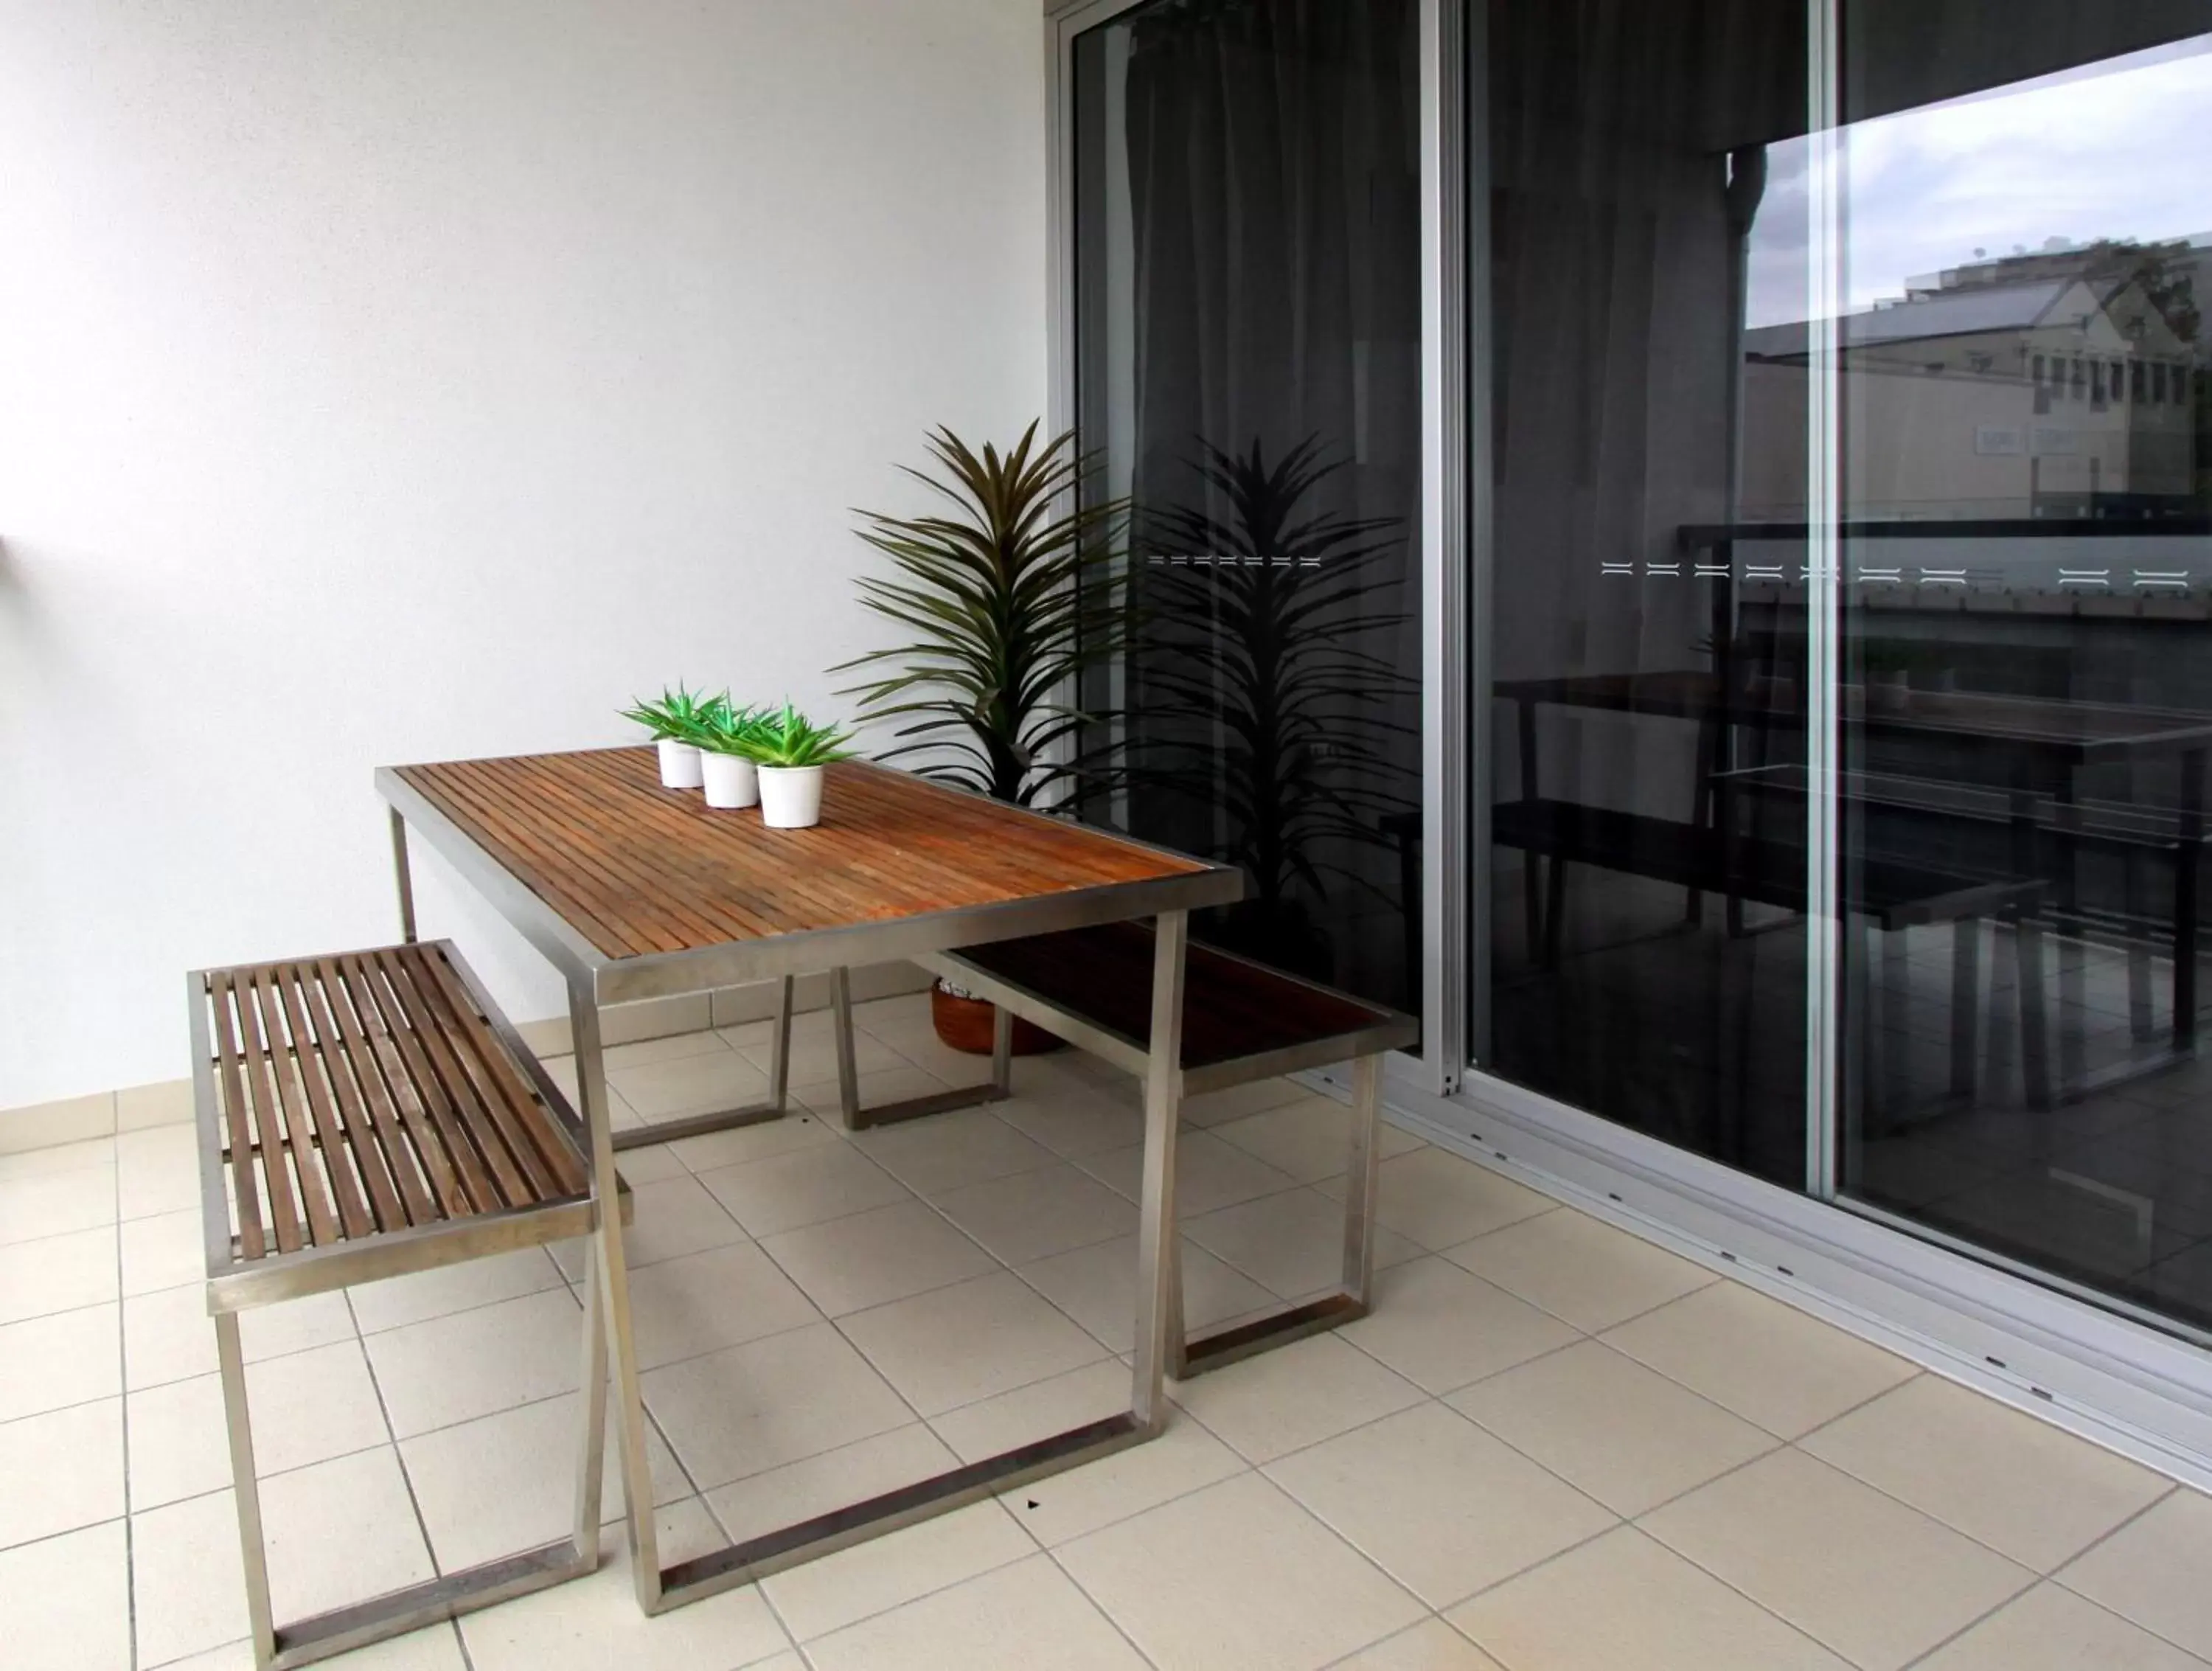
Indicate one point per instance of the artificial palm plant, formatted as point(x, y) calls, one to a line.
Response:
point(1003, 601)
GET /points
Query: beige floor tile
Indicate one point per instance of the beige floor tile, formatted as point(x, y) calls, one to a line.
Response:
point(1027, 1613)
point(703, 1302)
point(799, 1128)
point(2052, 1629)
point(666, 1047)
point(781, 1497)
point(338, 1531)
point(803, 1186)
point(2022, 1486)
point(1291, 1244)
point(884, 1084)
point(422, 1295)
point(96, 1153)
point(950, 1151)
point(505, 1483)
point(1216, 1107)
point(157, 1170)
point(472, 1363)
point(704, 1083)
point(673, 1217)
point(872, 1577)
point(66, 1602)
point(1209, 1173)
point(905, 1009)
point(753, 1408)
point(58, 1273)
point(1623, 1603)
point(61, 1470)
point(1441, 1505)
point(71, 1358)
point(1236, 1575)
point(1064, 1506)
point(307, 1408)
point(1310, 1140)
point(594, 1624)
point(168, 1336)
point(873, 1258)
point(1439, 1199)
point(1432, 1645)
point(975, 1339)
point(1296, 1395)
point(1069, 1116)
point(188, 1587)
point(1096, 1285)
point(2154, 1571)
point(1441, 1328)
point(164, 1250)
point(814, 1059)
point(435, 1648)
point(1878, 1582)
point(924, 1050)
point(46, 1204)
point(1627, 1436)
point(650, 1163)
point(1580, 1269)
point(1767, 1362)
point(1035, 1215)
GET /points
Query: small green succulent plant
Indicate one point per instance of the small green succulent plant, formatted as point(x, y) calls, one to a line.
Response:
point(679, 715)
point(788, 738)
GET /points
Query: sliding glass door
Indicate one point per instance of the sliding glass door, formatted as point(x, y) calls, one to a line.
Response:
point(1849, 574)
point(1246, 254)
point(2024, 701)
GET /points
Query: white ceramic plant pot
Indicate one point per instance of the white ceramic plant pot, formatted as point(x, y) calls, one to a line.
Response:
point(791, 797)
point(679, 765)
point(730, 780)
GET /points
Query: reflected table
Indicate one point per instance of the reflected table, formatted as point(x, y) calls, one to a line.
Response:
point(635, 891)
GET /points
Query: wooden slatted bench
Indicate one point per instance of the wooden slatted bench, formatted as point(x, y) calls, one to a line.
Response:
point(363, 1114)
point(1242, 1022)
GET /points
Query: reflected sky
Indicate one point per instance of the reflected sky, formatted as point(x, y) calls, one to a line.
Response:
point(2113, 150)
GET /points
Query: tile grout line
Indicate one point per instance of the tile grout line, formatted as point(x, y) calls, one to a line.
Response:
point(123, 1421)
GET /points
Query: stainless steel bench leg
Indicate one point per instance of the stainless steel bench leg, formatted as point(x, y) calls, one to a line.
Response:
point(1228, 1346)
point(755, 1114)
point(301, 1641)
point(591, 1462)
point(857, 1119)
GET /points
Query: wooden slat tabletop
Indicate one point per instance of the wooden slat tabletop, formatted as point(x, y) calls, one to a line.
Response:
point(638, 870)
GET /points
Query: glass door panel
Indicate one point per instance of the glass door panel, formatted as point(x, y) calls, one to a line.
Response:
point(1645, 173)
point(1248, 296)
point(2024, 695)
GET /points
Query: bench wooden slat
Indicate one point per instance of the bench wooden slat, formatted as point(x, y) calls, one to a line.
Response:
point(268, 1131)
point(310, 1063)
point(1233, 1009)
point(471, 1112)
point(349, 1108)
point(563, 1167)
point(414, 1178)
point(236, 1119)
point(444, 1171)
point(310, 1166)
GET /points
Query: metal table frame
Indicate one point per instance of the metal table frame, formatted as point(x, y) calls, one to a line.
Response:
point(593, 978)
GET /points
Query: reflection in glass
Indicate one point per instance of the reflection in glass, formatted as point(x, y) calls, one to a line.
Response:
point(1646, 945)
point(1248, 303)
point(2026, 579)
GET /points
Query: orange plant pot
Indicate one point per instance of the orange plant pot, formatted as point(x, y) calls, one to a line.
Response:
point(964, 1023)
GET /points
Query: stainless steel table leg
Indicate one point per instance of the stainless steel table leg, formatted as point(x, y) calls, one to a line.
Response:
point(590, 1463)
point(402, 876)
point(1157, 1264)
point(613, 1267)
point(857, 1119)
point(773, 1551)
point(755, 1114)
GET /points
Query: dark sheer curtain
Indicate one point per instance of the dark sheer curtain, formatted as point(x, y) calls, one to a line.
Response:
point(1267, 257)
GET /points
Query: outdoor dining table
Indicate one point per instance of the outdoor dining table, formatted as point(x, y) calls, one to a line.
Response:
point(636, 891)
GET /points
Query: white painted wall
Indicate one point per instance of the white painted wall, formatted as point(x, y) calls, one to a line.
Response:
point(400, 379)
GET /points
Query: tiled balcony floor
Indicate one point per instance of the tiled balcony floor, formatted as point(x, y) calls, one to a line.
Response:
point(1555, 1447)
